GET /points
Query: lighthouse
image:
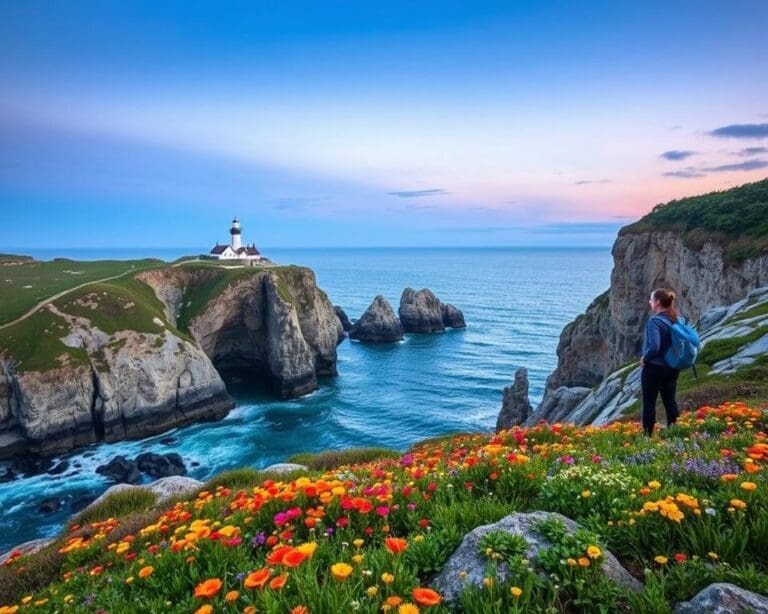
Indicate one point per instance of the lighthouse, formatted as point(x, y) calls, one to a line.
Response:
point(235, 232)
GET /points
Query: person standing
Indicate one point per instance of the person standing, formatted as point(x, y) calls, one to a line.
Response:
point(657, 377)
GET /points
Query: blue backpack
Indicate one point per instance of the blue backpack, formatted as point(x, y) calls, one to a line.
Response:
point(685, 345)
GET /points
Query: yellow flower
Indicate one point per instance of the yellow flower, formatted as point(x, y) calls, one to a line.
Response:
point(340, 571)
point(571, 562)
point(516, 591)
point(408, 608)
point(129, 580)
point(713, 555)
point(372, 591)
point(308, 549)
point(749, 486)
point(418, 539)
point(487, 582)
point(661, 560)
point(358, 543)
point(593, 552)
point(654, 485)
point(585, 494)
point(358, 558)
point(387, 578)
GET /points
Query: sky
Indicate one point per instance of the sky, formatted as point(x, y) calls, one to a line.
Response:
point(352, 124)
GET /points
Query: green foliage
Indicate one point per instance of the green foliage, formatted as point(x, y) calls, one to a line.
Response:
point(117, 504)
point(332, 459)
point(737, 218)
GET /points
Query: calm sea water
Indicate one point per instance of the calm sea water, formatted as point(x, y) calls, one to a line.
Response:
point(515, 301)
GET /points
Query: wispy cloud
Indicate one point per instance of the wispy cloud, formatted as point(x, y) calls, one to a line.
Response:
point(742, 131)
point(677, 154)
point(752, 151)
point(748, 165)
point(572, 228)
point(686, 173)
point(588, 181)
point(419, 193)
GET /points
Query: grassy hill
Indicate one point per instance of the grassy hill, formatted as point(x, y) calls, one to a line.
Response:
point(681, 510)
point(736, 218)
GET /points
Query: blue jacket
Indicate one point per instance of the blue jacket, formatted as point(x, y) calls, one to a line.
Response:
point(657, 339)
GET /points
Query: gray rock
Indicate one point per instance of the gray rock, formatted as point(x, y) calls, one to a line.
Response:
point(286, 468)
point(466, 558)
point(724, 598)
point(343, 318)
point(420, 311)
point(515, 406)
point(557, 404)
point(710, 318)
point(120, 469)
point(164, 489)
point(378, 324)
point(161, 465)
point(453, 317)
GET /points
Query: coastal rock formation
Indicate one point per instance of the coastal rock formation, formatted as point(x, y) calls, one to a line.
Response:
point(724, 598)
point(273, 325)
point(467, 567)
point(343, 318)
point(421, 311)
point(114, 362)
point(378, 324)
point(743, 324)
point(515, 405)
point(128, 385)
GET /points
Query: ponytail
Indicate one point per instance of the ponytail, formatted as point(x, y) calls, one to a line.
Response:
point(666, 299)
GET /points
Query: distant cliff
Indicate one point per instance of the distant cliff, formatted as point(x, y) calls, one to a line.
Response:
point(139, 355)
point(712, 250)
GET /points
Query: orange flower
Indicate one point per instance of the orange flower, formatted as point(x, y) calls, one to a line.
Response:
point(257, 579)
point(395, 544)
point(426, 596)
point(208, 588)
point(145, 572)
point(393, 601)
point(583, 561)
point(276, 556)
point(294, 558)
point(278, 582)
point(300, 609)
point(204, 609)
point(231, 596)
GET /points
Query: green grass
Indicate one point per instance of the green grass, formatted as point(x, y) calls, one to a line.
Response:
point(720, 349)
point(117, 504)
point(752, 312)
point(736, 218)
point(331, 459)
point(23, 286)
point(34, 344)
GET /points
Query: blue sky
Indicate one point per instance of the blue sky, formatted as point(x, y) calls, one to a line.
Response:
point(347, 124)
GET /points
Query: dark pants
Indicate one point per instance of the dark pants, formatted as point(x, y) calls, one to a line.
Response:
point(657, 379)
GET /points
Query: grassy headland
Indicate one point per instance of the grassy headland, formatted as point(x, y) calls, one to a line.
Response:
point(681, 510)
point(736, 218)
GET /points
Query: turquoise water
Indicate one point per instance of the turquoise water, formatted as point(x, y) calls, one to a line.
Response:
point(515, 301)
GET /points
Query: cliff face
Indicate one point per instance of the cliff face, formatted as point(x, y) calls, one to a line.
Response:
point(130, 385)
point(273, 324)
point(117, 360)
point(609, 334)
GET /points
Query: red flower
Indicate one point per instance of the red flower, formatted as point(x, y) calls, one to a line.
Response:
point(680, 557)
point(395, 545)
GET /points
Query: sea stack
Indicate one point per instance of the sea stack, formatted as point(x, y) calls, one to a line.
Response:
point(515, 406)
point(378, 324)
point(422, 312)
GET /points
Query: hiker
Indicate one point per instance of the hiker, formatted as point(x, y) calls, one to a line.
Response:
point(657, 376)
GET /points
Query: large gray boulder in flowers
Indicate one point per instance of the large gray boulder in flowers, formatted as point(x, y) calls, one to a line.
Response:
point(724, 598)
point(467, 567)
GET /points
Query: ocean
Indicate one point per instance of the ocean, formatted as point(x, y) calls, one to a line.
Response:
point(515, 302)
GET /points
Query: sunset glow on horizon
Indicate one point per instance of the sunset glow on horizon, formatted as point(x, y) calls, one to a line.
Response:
point(343, 125)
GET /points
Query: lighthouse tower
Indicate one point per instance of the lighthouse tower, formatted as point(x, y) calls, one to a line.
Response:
point(235, 232)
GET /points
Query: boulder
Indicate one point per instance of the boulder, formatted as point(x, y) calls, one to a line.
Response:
point(286, 468)
point(378, 324)
point(120, 470)
point(724, 598)
point(515, 406)
point(467, 567)
point(161, 465)
point(164, 489)
point(51, 505)
point(343, 318)
point(26, 548)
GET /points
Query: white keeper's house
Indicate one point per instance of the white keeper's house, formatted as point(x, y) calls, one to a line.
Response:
point(235, 250)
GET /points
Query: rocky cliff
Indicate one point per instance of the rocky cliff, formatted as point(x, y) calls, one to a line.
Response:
point(137, 356)
point(710, 249)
